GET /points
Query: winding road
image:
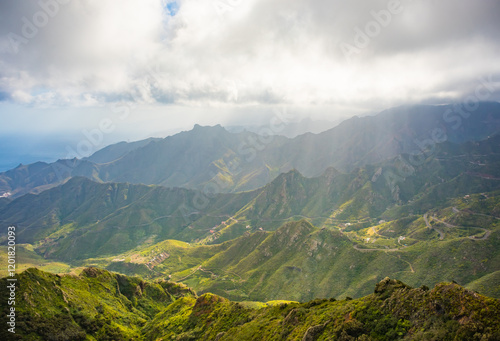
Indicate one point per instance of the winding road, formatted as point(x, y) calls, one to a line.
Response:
point(456, 210)
point(441, 234)
point(486, 235)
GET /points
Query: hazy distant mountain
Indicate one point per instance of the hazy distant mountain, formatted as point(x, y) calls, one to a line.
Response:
point(289, 129)
point(410, 129)
point(39, 176)
point(211, 158)
point(117, 150)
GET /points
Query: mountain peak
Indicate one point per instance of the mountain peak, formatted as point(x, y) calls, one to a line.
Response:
point(300, 225)
point(215, 127)
point(387, 286)
point(293, 173)
point(330, 171)
point(289, 177)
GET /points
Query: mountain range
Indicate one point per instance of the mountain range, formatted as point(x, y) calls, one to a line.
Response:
point(158, 213)
point(412, 193)
point(290, 129)
point(344, 226)
point(212, 159)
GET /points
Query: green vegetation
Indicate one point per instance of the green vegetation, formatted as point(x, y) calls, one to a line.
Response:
point(289, 240)
point(296, 239)
point(300, 261)
point(96, 304)
point(99, 305)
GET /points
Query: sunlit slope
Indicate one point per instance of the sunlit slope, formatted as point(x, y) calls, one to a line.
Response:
point(96, 304)
point(299, 261)
point(99, 305)
point(84, 219)
point(394, 311)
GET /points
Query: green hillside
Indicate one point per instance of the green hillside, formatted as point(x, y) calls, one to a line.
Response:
point(99, 305)
point(96, 305)
point(83, 219)
point(375, 192)
point(287, 240)
point(300, 261)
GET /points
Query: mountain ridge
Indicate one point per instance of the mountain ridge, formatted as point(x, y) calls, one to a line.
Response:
point(82, 207)
point(124, 307)
point(212, 157)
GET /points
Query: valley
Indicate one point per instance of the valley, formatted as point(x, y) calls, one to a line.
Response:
point(286, 240)
point(297, 238)
point(229, 170)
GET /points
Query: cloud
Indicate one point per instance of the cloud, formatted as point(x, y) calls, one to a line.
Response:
point(84, 47)
point(246, 52)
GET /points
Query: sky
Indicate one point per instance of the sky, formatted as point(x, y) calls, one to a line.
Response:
point(107, 70)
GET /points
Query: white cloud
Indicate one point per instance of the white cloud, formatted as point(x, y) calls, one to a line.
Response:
point(247, 52)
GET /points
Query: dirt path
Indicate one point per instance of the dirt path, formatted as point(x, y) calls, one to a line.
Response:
point(193, 272)
point(482, 214)
point(482, 176)
point(411, 267)
point(486, 215)
point(208, 271)
point(371, 250)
